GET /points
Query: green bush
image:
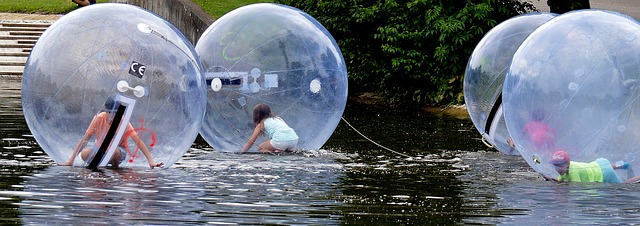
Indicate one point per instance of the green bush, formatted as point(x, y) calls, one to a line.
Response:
point(410, 51)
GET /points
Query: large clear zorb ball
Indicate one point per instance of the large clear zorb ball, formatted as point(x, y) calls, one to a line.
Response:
point(97, 58)
point(277, 55)
point(485, 73)
point(573, 85)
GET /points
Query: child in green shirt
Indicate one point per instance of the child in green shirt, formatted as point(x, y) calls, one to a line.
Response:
point(600, 170)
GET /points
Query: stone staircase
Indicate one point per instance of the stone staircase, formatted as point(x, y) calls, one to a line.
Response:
point(16, 41)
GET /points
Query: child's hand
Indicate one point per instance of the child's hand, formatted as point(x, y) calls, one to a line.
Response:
point(67, 163)
point(548, 178)
point(153, 165)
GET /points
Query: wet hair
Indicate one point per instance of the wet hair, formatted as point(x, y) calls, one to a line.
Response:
point(261, 112)
point(111, 105)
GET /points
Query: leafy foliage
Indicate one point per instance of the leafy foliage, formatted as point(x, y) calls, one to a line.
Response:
point(409, 50)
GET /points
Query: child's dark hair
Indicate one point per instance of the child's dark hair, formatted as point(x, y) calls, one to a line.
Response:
point(111, 104)
point(260, 112)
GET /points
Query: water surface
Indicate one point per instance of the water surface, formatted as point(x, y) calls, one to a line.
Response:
point(449, 178)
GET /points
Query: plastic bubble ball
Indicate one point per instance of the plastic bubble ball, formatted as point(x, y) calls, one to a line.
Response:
point(484, 76)
point(574, 85)
point(125, 64)
point(276, 55)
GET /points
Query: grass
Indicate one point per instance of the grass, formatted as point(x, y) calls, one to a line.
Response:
point(38, 6)
point(215, 8)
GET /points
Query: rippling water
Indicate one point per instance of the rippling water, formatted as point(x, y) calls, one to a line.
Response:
point(450, 178)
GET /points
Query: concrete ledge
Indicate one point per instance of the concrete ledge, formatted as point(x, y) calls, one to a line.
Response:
point(11, 63)
point(188, 17)
point(9, 45)
point(33, 25)
point(9, 37)
point(15, 54)
point(25, 33)
point(5, 28)
point(10, 73)
point(30, 42)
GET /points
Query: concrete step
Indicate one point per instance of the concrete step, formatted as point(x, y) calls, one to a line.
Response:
point(12, 63)
point(16, 42)
point(10, 45)
point(11, 70)
point(36, 29)
point(14, 54)
point(22, 37)
point(10, 73)
point(29, 33)
point(29, 42)
point(36, 25)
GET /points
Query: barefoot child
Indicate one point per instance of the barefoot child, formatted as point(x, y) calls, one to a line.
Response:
point(99, 126)
point(282, 137)
point(600, 170)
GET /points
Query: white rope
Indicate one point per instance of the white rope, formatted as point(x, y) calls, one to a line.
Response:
point(379, 145)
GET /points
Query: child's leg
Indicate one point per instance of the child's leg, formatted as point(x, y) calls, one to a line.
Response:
point(608, 174)
point(116, 158)
point(635, 179)
point(86, 154)
point(266, 147)
point(284, 145)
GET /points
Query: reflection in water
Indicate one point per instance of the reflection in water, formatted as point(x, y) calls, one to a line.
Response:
point(400, 191)
point(210, 188)
point(451, 179)
point(101, 197)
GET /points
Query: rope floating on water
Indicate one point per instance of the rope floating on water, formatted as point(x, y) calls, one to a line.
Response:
point(379, 145)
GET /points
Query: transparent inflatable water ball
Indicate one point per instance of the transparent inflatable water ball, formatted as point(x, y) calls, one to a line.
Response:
point(131, 70)
point(276, 55)
point(573, 85)
point(485, 72)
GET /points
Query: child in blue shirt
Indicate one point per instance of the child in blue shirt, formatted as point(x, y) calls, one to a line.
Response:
point(282, 137)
